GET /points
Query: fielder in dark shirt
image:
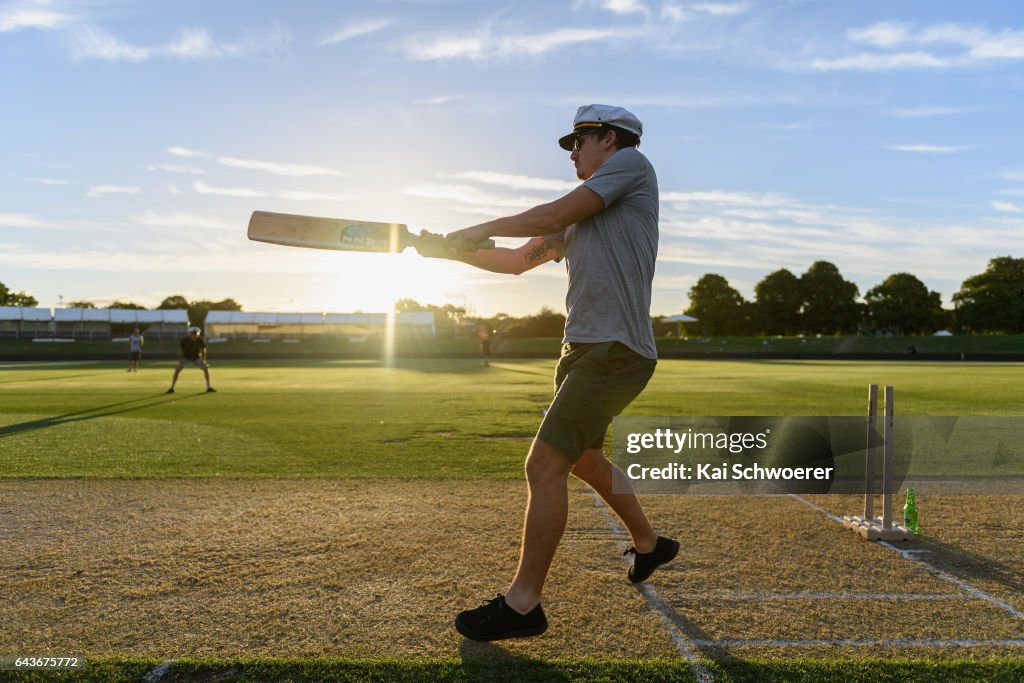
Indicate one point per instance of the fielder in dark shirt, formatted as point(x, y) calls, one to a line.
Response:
point(192, 350)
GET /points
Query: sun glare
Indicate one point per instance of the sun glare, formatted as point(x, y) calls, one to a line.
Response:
point(372, 283)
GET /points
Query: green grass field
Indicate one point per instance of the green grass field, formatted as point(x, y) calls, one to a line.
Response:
point(239, 535)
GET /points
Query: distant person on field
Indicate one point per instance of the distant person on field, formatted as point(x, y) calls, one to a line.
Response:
point(134, 350)
point(607, 231)
point(192, 350)
point(485, 344)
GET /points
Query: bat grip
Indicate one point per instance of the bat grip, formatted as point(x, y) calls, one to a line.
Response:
point(485, 244)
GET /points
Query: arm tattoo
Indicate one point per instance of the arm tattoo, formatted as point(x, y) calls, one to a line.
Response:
point(538, 252)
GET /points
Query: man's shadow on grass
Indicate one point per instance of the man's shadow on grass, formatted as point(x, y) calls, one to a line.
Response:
point(488, 662)
point(972, 567)
point(108, 410)
point(483, 661)
point(58, 378)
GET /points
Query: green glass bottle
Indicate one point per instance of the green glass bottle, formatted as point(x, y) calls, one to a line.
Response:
point(910, 513)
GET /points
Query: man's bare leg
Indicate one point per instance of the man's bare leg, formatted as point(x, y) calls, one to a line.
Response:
point(602, 475)
point(177, 371)
point(547, 508)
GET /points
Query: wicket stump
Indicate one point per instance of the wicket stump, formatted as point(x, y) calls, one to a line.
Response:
point(867, 525)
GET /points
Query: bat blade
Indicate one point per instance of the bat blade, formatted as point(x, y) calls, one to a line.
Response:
point(339, 234)
point(328, 233)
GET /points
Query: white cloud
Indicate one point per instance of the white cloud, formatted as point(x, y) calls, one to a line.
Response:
point(721, 8)
point(153, 257)
point(105, 190)
point(176, 168)
point(870, 61)
point(928, 149)
point(355, 30)
point(194, 43)
point(306, 196)
point(19, 220)
point(927, 111)
point(1006, 45)
point(469, 199)
point(51, 181)
point(977, 44)
point(516, 182)
point(883, 34)
point(249, 193)
point(92, 42)
point(1007, 207)
point(185, 152)
point(33, 14)
point(442, 99)
point(447, 48)
point(678, 13)
point(625, 6)
point(674, 13)
point(724, 197)
point(765, 231)
point(182, 220)
point(485, 46)
point(203, 188)
point(278, 168)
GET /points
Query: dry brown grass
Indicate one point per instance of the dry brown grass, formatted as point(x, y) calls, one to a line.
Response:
point(299, 568)
point(293, 568)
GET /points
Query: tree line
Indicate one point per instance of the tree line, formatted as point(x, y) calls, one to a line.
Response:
point(820, 301)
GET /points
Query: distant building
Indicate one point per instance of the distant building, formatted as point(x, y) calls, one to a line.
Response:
point(89, 323)
point(17, 322)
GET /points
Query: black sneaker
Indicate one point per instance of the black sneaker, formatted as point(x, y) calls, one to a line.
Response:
point(644, 564)
point(495, 620)
point(211, 390)
point(170, 391)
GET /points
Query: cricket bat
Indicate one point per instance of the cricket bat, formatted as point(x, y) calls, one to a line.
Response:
point(334, 233)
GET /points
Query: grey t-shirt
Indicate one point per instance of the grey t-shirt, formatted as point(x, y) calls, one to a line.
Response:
point(610, 257)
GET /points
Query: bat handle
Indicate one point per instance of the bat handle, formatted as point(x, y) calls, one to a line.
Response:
point(485, 244)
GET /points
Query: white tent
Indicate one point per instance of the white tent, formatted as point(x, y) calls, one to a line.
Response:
point(19, 321)
point(679, 320)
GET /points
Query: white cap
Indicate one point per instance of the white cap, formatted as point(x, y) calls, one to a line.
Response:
point(592, 115)
point(193, 330)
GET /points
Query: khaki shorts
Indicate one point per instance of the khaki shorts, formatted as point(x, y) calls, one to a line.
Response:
point(593, 384)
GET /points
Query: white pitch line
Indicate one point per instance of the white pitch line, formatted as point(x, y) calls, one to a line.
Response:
point(881, 642)
point(910, 555)
point(828, 596)
point(683, 644)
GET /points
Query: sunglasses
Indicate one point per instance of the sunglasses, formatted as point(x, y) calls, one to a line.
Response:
point(577, 140)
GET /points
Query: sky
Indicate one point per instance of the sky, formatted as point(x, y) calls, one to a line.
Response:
point(137, 138)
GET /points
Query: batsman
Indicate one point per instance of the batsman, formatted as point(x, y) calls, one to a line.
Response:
point(606, 230)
